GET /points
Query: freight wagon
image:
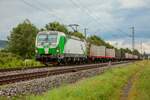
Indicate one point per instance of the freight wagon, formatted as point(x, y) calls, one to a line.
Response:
point(97, 52)
point(128, 56)
point(118, 55)
point(135, 57)
point(101, 54)
point(110, 53)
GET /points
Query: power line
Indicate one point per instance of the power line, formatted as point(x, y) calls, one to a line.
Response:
point(78, 6)
point(51, 11)
point(87, 12)
point(75, 4)
point(141, 46)
point(97, 20)
point(39, 8)
point(100, 19)
point(31, 5)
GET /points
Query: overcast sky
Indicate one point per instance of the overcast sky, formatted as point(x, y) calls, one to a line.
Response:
point(110, 19)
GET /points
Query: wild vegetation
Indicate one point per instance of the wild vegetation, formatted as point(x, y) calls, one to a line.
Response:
point(56, 26)
point(107, 86)
point(22, 40)
point(98, 41)
point(9, 60)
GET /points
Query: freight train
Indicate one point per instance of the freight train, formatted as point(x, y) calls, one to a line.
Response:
point(53, 47)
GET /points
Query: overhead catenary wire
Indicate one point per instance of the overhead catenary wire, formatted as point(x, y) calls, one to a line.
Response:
point(75, 4)
point(78, 6)
point(40, 9)
point(31, 5)
point(88, 12)
point(56, 15)
point(98, 19)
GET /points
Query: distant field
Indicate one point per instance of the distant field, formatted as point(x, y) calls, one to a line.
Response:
point(107, 86)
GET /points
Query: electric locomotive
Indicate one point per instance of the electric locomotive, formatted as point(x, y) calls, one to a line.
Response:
point(56, 47)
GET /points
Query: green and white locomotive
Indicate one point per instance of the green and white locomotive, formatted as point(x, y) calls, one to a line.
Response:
point(53, 47)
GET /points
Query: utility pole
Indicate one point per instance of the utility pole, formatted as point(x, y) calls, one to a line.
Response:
point(116, 45)
point(85, 32)
point(141, 45)
point(74, 27)
point(133, 39)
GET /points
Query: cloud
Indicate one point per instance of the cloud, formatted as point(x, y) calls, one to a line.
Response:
point(133, 3)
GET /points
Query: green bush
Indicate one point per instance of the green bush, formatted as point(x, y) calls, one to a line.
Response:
point(9, 60)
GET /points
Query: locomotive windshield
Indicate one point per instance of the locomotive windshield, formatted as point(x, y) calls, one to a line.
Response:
point(42, 37)
point(50, 38)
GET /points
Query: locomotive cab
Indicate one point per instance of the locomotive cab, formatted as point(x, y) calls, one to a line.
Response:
point(49, 45)
point(46, 41)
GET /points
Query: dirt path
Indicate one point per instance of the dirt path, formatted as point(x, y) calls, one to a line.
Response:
point(128, 86)
point(126, 89)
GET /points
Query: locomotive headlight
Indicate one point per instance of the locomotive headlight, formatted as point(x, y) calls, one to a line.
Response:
point(57, 50)
point(36, 51)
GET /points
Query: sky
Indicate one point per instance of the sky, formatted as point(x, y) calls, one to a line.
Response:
point(110, 19)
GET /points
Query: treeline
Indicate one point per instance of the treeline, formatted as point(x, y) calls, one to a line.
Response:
point(22, 38)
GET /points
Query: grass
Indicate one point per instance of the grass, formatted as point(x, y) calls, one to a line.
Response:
point(8, 60)
point(141, 85)
point(107, 86)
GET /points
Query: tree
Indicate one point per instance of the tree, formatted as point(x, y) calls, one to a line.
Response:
point(77, 34)
point(109, 45)
point(22, 39)
point(56, 26)
point(96, 40)
point(136, 52)
point(127, 50)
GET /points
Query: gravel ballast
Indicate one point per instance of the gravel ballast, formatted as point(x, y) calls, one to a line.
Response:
point(41, 85)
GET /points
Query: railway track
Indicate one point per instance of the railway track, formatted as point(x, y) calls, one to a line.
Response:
point(17, 69)
point(12, 78)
